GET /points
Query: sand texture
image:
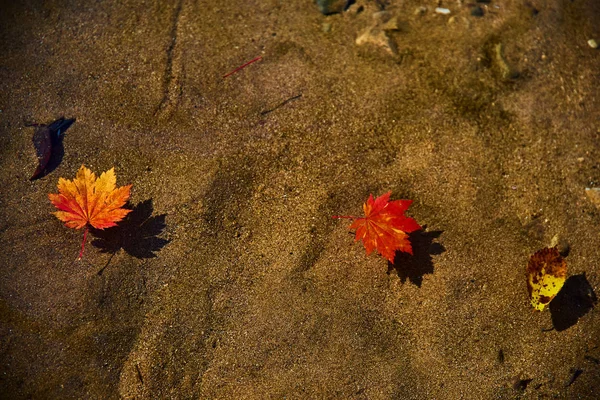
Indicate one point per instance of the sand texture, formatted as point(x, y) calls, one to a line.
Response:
point(231, 280)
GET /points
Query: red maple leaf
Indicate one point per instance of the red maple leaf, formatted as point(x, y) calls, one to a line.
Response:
point(90, 201)
point(384, 227)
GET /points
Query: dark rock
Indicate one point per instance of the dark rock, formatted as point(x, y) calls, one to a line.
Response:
point(328, 7)
point(477, 12)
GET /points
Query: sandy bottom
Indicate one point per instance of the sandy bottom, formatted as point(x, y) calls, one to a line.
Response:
point(231, 280)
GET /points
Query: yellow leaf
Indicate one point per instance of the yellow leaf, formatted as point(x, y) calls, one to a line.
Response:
point(546, 274)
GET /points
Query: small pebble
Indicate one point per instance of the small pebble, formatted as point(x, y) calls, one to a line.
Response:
point(593, 44)
point(561, 244)
point(391, 25)
point(326, 27)
point(328, 7)
point(420, 10)
point(443, 11)
point(355, 9)
point(477, 12)
point(594, 195)
point(381, 16)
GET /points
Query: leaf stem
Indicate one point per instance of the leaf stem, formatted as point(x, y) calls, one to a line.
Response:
point(344, 216)
point(83, 243)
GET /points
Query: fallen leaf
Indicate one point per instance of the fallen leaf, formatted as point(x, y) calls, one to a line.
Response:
point(384, 227)
point(546, 275)
point(46, 139)
point(90, 201)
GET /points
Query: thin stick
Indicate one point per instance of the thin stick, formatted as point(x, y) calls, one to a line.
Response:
point(83, 243)
point(243, 66)
point(139, 373)
point(283, 103)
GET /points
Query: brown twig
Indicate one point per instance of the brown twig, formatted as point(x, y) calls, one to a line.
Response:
point(283, 103)
point(139, 373)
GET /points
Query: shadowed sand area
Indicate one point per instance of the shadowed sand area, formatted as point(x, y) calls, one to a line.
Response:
point(231, 280)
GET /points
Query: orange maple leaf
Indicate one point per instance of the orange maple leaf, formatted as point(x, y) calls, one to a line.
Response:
point(90, 201)
point(384, 226)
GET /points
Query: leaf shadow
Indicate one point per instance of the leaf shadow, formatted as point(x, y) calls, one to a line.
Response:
point(137, 234)
point(413, 267)
point(575, 299)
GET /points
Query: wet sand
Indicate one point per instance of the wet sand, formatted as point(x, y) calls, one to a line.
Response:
point(233, 281)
